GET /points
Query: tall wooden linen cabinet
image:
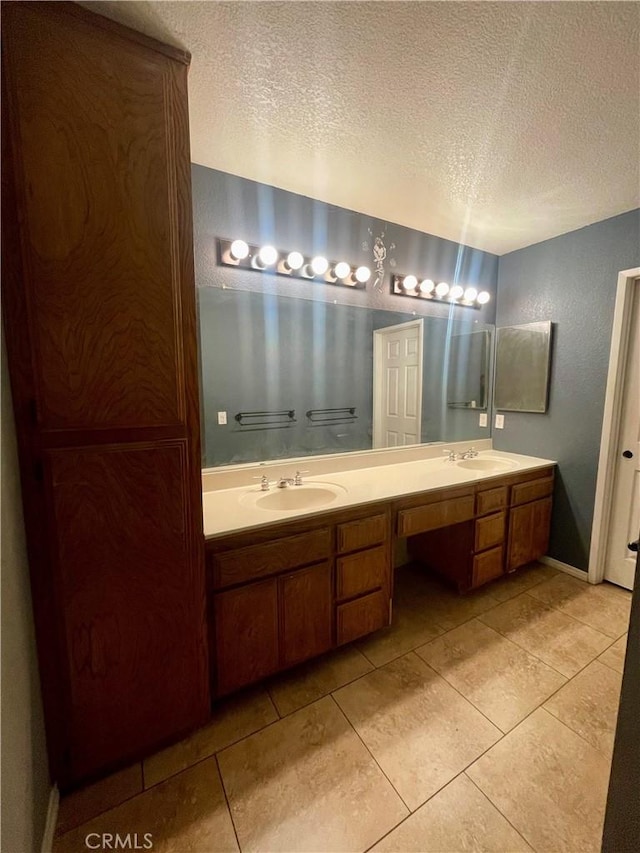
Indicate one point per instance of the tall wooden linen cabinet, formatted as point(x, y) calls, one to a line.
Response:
point(99, 313)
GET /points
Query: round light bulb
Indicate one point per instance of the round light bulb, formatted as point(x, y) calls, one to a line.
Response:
point(295, 260)
point(456, 291)
point(239, 250)
point(483, 297)
point(409, 282)
point(268, 256)
point(319, 265)
point(442, 289)
point(470, 294)
point(427, 286)
point(341, 270)
point(363, 274)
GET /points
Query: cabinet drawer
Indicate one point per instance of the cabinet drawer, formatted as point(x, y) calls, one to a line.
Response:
point(487, 566)
point(531, 491)
point(362, 616)
point(491, 500)
point(362, 533)
point(256, 561)
point(489, 531)
point(430, 516)
point(362, 572)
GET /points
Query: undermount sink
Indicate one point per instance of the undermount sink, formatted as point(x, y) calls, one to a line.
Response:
point(487, 464)
point(307, 496)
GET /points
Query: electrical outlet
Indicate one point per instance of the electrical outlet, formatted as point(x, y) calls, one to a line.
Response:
point(499, 421)
point(222, 418)
point(484, 420)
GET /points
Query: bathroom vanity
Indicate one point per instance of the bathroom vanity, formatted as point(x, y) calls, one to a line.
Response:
point(283, 591)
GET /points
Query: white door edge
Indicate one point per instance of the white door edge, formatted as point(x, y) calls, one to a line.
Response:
point(378, 339)
point(611, 422)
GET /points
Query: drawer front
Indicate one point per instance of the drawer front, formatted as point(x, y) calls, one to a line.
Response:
point(362, 616)
point(489, 531)
point(487, 566)
point(362, 533)
point(531, 491)
point(491, 500)
point(362, 572)
point(256, 561)
point(431, 516)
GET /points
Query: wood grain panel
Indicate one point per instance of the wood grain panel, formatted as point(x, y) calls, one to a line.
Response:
point(131, 596)
point(306, 613)
point(489, 531)
point(490, 500)
point(362, 533)
point(362, 616)
point(361, 572)
point(95, 128)
point(246, 631)
point(531, 491)
point(431, 516)
point(256, 561)
point(528, 532)
point(487, 566)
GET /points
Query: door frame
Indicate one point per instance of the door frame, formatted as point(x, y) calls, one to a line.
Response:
point(611, 422)
point(378, 378)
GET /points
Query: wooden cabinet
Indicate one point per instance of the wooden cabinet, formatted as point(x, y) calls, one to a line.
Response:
point(508, 527)
point(528, 532)
point(246, 634)
point(99, 312)
point(307, 620)
point(303, 586)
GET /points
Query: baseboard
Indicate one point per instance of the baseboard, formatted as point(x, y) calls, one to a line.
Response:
point(565, 567)
point(52, 819)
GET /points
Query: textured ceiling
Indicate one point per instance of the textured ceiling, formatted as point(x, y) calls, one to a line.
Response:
point(492, 124)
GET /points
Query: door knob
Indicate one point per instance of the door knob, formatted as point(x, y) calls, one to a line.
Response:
point(634, 546)
point(628, 454)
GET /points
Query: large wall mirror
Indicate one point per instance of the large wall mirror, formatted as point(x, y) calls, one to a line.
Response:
point(297, 377)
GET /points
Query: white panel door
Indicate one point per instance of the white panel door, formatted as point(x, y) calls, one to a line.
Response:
point(398, 385)
point(624, 526)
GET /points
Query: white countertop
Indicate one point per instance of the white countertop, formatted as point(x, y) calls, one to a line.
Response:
point(232, 510)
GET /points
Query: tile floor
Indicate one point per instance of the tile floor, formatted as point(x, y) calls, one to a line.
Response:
point(481, 723)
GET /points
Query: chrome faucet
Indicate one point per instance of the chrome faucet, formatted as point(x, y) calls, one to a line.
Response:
point(298, 478)
point(451, 455)
point(471, 453)
point(283, 482)
point(264, 483)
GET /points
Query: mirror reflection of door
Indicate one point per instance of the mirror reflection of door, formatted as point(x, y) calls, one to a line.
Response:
point(397, 384)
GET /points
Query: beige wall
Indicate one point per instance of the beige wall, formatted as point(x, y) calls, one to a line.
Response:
point(25, 776)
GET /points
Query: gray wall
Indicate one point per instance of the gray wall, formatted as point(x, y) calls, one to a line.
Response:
point(570, 280)
point(25, 776)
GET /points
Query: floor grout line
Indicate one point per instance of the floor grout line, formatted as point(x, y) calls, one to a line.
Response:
point(515, 828)
point(375, 760)
point(226, 799)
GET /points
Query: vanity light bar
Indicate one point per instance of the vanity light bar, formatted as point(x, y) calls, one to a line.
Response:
point(465, 297)
point(238, 253)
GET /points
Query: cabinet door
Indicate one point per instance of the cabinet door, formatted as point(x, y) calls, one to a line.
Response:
point(129, 603)
point(306, 607)
point(99, 313)
point(246, 631)
point(528, 532)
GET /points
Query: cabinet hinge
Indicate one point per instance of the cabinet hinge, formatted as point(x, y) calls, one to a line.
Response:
point(390, 610)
